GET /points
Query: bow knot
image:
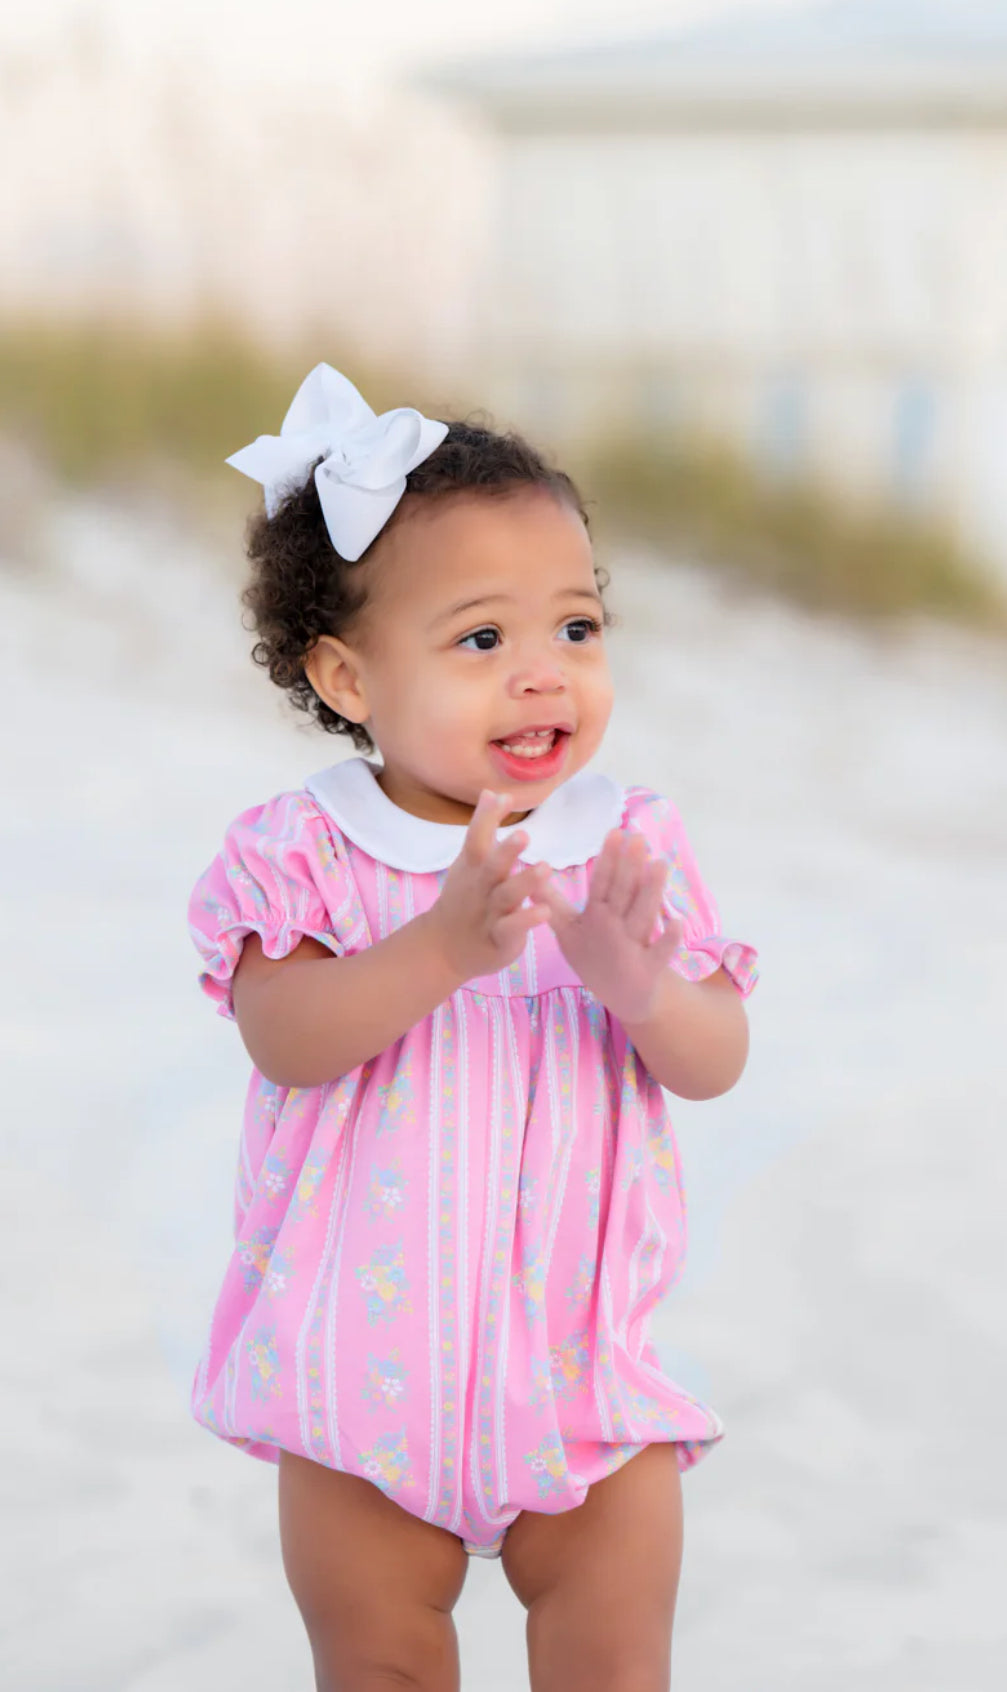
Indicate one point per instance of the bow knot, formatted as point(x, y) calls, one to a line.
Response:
point(365, 457)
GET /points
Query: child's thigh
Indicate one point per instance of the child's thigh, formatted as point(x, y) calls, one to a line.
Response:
point(600, 1581)
point(375, 1585)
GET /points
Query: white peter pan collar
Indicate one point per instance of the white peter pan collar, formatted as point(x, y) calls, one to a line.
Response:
point(567, 828)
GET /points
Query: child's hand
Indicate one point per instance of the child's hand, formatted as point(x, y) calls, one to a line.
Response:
point(609, 942)
point(478, 920)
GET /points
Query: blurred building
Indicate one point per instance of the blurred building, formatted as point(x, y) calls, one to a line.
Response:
point(789, 227)
point(156, 192)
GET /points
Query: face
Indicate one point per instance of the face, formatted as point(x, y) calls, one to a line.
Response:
point(483, 622)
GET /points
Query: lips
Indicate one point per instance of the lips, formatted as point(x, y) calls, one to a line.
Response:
point(540, 759)
point(534, 728)
point(533, 745)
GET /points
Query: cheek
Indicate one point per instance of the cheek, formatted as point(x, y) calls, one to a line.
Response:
point(458, 686)
point(445, 702)
point(599, 688)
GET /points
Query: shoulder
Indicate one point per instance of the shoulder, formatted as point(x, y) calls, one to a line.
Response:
point(649, 811)
point(289, 820)
point(287, 836)
point(282, 859)
point(288, 814)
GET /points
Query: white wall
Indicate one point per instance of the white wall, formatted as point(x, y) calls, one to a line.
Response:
point(834, 297)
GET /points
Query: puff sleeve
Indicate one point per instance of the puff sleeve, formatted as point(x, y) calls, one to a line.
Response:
point(281, 874)
point(704, 948)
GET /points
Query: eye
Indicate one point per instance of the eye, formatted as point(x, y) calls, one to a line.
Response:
point(587, 628)
point(477, 635)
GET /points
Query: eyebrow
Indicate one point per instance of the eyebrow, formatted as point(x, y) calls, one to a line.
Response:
point(508, 599)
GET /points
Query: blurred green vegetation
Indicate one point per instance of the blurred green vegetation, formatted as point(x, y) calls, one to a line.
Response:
point(113, 403)
point(792, 536)
point(106, 401)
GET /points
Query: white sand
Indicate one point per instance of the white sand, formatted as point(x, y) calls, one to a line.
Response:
point(844, 1297)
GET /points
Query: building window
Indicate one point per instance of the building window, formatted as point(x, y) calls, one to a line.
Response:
point(782, 436)
point(915, 434)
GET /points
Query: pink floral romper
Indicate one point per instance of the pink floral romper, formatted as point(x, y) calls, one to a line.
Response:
point(446, 1259)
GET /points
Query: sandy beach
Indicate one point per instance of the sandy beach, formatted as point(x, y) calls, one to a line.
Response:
point(846, 794)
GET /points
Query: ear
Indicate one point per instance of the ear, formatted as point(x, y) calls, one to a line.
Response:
point(331, 668)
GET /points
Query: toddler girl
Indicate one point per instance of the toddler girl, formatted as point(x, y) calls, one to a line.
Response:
point(458, 1197)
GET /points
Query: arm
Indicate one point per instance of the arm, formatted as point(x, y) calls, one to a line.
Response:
point(310, 1017)
point(695, 1042)
point(692, 1035)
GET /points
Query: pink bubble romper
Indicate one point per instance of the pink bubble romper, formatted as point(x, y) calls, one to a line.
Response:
point(446, 1259)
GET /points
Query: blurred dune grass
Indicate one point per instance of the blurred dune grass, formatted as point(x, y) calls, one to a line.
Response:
point(103, 402)
point(123, 405)
point(793, 536)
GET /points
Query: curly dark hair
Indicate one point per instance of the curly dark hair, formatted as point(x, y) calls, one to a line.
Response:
point(301, 587)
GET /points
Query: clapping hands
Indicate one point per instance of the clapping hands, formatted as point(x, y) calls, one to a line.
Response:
point(611, 943)
point(616, 944)
point(487, 905)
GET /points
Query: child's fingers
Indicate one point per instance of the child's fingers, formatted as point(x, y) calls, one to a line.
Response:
point(507, 928)
point(504, 855)
point(630, 861)
point(667, 944)
point(557, 905)
point(604, 864)
point(646, 901)
point(480, 835)
point(514, 889)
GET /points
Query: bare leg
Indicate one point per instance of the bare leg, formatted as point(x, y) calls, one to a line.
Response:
point(600, 1582)
point(374, 1584)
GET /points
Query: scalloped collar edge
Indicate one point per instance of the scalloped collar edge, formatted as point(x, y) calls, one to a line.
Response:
point(567, 828)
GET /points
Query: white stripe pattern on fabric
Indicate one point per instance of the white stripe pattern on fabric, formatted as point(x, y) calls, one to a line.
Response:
point(305, 1327)
point(494, 1015)
point(653, 1228)
point(360, 932)
point(606, 1175)
point(500, 1402)
point(343, 1175)
point(555, 1123)
point(461, 1267)
point(548, 1037)
point(236, 1361)
point(634, 1266)
point(612, 1325)
point(244, 1164)
point(559, 1185)
point(433, 1261)
point(312, 1303)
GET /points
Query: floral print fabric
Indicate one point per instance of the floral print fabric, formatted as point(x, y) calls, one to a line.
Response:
point(446, 1260)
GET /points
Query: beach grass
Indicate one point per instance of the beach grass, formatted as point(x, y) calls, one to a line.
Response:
point(105, 401)
point(795, 537)
point(123, 405)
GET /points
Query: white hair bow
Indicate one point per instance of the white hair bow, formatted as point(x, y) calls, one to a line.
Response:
point(366, 458)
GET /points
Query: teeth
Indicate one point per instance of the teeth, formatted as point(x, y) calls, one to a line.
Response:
point(522, 749)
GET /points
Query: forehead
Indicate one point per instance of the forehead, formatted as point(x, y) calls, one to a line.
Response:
point(523, 543)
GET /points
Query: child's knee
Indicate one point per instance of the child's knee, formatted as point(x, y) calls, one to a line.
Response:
point(395, 1646)
point(576, 1644)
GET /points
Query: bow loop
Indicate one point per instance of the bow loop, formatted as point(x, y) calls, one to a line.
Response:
point(365, 458)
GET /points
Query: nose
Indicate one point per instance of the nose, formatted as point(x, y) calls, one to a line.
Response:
point(538, 672)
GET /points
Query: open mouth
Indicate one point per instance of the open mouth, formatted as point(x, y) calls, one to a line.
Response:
point(533, 755)
point(538, 744)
